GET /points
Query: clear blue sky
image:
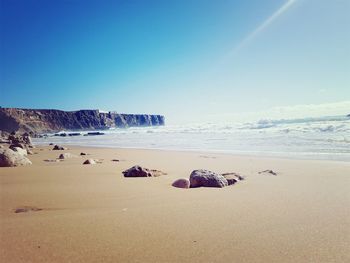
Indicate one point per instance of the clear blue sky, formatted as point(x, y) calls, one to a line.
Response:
point(190, 60)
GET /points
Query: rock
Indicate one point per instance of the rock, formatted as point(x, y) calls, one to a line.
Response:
point(19, 145)
point(65, 156)
point(59, 148)
point(82, 153)
point(50, 143)
point(25, 209)
point(232, 178)
point(115, 160)
point(206, 178)
point(13, 138)
point(23, 141)
point(138, 171)
point(27, 140)
point(9, 158)
point(93, 133)
point(89, 161)
point(4, 140)
point(268, 172)
point(4, 135)
point(181, 183)
point(19, 150)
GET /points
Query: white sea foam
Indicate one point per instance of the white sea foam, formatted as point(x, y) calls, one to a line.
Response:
point(316, 138)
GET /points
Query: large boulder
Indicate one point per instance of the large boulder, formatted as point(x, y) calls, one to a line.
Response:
point(9, 158)
point(19, 145)
point(207, 178)
point(181, 183)
point(138, 171)
point(20, 150)
point(23, 139)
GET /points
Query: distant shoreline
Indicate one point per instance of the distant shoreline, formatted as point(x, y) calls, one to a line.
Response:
point(309, 157)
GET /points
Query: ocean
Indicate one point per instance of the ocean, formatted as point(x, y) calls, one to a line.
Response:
point(325, 138)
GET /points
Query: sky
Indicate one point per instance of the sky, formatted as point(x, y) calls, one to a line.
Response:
point(191, 60)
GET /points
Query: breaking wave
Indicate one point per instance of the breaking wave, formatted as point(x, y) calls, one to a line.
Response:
point(317, 138)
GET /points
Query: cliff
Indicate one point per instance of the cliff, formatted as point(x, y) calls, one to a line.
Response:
point(42, 121)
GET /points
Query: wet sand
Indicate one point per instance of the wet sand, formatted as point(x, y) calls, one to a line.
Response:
point(69, 212)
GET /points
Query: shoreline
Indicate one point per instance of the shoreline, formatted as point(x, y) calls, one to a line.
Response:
point(248, 154)
point(91, 213)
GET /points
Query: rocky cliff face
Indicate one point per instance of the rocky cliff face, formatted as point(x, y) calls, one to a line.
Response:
point(41, 121)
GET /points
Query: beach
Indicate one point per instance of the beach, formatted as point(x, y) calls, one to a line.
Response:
point(70, 212)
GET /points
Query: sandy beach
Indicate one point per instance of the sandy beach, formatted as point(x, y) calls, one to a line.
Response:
point(91, 213)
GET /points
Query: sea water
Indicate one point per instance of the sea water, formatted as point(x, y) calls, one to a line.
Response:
point(311, 138)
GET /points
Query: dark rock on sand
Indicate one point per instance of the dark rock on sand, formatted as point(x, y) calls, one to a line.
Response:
point(268, 172)
point(207, 178)
point(115, 160)
point(138, 171)
point(82, 154)
point(9, 158)
point(65, 156)
point(26, 209)
point(89, 161)
point(181, 183)
point(59, 148)
point(232, 178)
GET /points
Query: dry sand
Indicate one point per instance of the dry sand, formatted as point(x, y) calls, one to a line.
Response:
point(90, 213)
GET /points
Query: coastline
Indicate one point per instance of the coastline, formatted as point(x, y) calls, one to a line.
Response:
point(92, 213)
point(269, 155)
point(326, 139)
